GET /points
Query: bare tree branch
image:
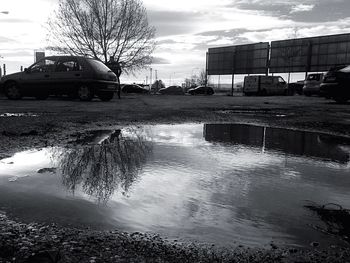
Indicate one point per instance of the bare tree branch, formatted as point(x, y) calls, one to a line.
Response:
point(102, 29)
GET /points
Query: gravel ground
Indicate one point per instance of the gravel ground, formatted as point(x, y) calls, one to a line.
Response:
point(48, 243)
point(57, 122)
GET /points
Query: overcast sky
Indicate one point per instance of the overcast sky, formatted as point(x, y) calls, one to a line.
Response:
point(185, 28)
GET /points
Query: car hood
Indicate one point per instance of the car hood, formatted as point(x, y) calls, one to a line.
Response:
point(12, 76)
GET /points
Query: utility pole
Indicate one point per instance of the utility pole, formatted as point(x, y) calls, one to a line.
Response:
point(150, 76)
point(156, 74)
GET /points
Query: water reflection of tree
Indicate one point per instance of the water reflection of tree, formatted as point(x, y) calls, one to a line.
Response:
point(102, 168)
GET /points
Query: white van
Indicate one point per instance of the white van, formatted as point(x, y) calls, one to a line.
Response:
point(264, 85)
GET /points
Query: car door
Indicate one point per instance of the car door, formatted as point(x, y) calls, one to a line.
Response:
point(281, 86)
point(37, 78)
point(67, 75)
point(200, 90)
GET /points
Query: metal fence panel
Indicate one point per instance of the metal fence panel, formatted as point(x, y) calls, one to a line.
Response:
point(310, 54)
point(241, 59)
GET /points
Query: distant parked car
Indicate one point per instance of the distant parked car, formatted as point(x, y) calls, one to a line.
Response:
point(205, 90)
point(296, 87)
point(134, 88)
point(172, 90)
point(75, 76)
point(336, 84)
point(312, 84)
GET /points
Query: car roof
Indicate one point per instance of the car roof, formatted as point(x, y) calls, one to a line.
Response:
point(132, 85)
point(69, 56)
point(315, 74)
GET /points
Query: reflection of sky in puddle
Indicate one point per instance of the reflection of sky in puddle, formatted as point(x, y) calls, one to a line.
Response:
point(209, 183)
point(4, 115)
point(25, 163)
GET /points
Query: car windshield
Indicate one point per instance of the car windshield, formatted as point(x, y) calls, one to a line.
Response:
point(98, 65)
point(346, 69)
point(336, 68)
point(43, 65)
point(281, 80)
point(314, 77)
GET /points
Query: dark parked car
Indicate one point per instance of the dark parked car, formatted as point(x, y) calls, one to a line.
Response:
point(336, 84)
point(312, 84)
point(172, 90)
point(75, 76)
point(296, 87)
point(205, 90)
point(134, 88)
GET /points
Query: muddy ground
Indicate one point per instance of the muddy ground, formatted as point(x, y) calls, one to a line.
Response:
point(55, 121)
point(30, 123)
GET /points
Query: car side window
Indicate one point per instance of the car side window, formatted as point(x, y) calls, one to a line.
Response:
point(68, 65)
point(44, 65)
point(280, 80)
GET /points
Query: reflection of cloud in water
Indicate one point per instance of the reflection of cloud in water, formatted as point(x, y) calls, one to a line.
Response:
point(101, 168)
point(181, 134)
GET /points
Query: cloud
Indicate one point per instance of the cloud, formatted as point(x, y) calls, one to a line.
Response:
point(324, 11)
point(172, 22)
point(16, 53)
point(160, 61)
point(15, 20)
point(6, 40)
point(301, 8)
point(298, 10)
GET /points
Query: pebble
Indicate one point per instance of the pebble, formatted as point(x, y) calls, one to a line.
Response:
point(315, 244)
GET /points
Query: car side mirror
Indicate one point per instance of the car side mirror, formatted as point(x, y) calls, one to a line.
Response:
point(26, 70)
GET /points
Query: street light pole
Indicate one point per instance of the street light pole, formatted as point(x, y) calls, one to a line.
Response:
point(150, 77)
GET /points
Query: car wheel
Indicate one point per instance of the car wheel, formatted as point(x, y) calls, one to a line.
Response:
point(13, 91)
point(85, 93)
point(106, 96)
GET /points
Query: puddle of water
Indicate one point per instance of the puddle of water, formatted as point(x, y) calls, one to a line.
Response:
point(254, 112)
point(94, 136)
point(6, 115)
point(217, 183)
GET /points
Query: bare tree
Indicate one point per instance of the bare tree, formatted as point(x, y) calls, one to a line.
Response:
point(100, 169)
point(103, 29)
point(197, 80)
point(157, 85)
point(203, 78)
